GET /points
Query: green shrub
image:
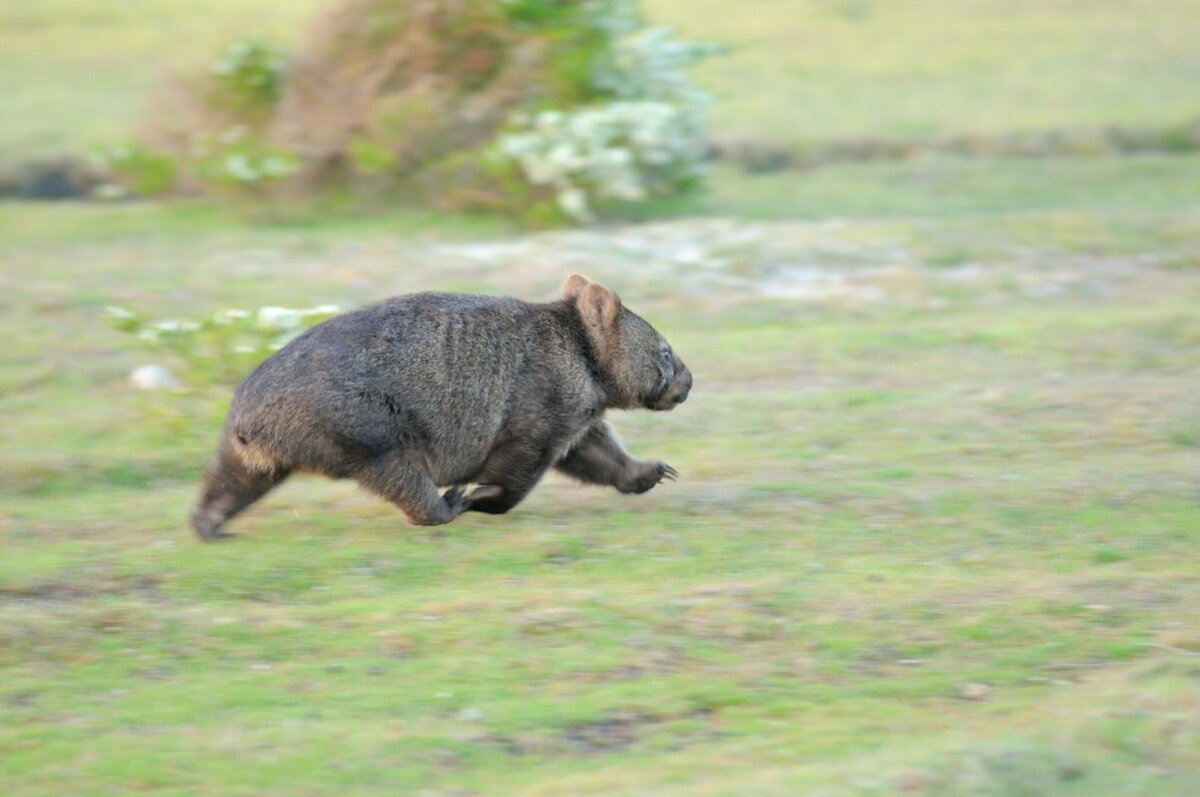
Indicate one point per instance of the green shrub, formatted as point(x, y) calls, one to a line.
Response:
point(248, 75)
point(138, 168)
point(219, 348)
point(540, 109)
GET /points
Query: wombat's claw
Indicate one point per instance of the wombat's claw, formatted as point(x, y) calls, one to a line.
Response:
point(648, 474)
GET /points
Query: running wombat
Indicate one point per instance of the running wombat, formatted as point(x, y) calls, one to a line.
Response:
point(437, 389)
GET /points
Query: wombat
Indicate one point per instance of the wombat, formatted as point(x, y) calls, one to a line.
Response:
point(437, 390)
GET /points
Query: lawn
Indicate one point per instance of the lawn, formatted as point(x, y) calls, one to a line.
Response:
point(936, 527)
point(937, 523)
point(75, 73)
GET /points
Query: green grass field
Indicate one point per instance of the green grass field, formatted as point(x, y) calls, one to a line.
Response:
point(936, 531)
point(75, 73)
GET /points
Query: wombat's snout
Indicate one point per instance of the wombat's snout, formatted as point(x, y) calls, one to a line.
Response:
point(677, 392)
point(685, 387)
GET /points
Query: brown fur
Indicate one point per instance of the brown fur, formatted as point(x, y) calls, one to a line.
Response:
point(435, 389)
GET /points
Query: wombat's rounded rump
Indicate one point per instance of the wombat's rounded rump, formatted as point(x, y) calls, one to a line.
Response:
point(439, 389)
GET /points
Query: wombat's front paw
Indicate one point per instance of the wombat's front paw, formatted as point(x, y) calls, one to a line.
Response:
point(647, 475)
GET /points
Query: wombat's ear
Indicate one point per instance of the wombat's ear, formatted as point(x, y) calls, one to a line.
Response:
point(598, 306)
point(574, 286)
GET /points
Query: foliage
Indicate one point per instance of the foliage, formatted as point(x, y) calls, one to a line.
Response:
point(649, 64)
point(386, 92)
point(137, 168)
point(248, 74)
point(647, 138)
point(626, 151)
point(239, 159)
point(220, 348)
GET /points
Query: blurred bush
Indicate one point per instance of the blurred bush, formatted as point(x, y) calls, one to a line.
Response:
point(546, 110)
point(220, 348)
point(193, 361)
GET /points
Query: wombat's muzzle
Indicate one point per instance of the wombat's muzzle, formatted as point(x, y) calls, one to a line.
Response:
point(677, 390)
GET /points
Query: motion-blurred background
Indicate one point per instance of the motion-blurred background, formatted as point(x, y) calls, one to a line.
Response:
point(935, 266)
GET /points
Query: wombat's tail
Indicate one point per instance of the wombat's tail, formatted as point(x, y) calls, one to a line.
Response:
point(239, 476)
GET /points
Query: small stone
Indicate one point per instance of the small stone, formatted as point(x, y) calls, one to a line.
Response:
point(472, 714)
point(153, 377)
point(975, 691)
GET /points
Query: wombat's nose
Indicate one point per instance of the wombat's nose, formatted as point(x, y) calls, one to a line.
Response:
point(685, 387)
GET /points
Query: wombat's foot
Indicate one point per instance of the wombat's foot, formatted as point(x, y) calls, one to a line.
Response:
point(208, 528)
point(456, 501)
point(646, 475)
point(493, 499)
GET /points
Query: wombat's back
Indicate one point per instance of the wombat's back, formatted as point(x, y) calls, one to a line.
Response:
point(430, 372)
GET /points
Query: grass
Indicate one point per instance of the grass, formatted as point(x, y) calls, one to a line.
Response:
point(937, 523)
point(883, 503)
point(76, 73)
point(830, 69)
point(950, 187)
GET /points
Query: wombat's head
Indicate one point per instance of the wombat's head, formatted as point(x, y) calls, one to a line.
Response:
point(640, 366)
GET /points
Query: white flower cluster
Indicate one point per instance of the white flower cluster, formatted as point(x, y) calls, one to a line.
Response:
point(616, 17)
point(651, 139)
point(246, 168)
point(622, 150)
point(217, 348)
point(285, 319)
point(275, 325)
point(649, 64)
point(169, 328)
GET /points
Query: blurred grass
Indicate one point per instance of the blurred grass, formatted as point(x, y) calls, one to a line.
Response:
point(975, 466)
point(883, 502)
point(828, 69)
point(947, 186)
point(75, 73)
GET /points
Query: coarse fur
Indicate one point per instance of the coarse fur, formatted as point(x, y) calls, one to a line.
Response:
point(434, 390)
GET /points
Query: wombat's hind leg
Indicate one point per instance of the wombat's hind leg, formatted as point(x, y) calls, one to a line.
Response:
point(229, 487)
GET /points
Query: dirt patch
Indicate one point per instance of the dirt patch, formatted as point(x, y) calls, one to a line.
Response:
point(616, 731)
point(61, 592)
point(761, 157)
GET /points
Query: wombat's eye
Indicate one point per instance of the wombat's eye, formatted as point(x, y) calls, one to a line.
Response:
point(666, 353)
